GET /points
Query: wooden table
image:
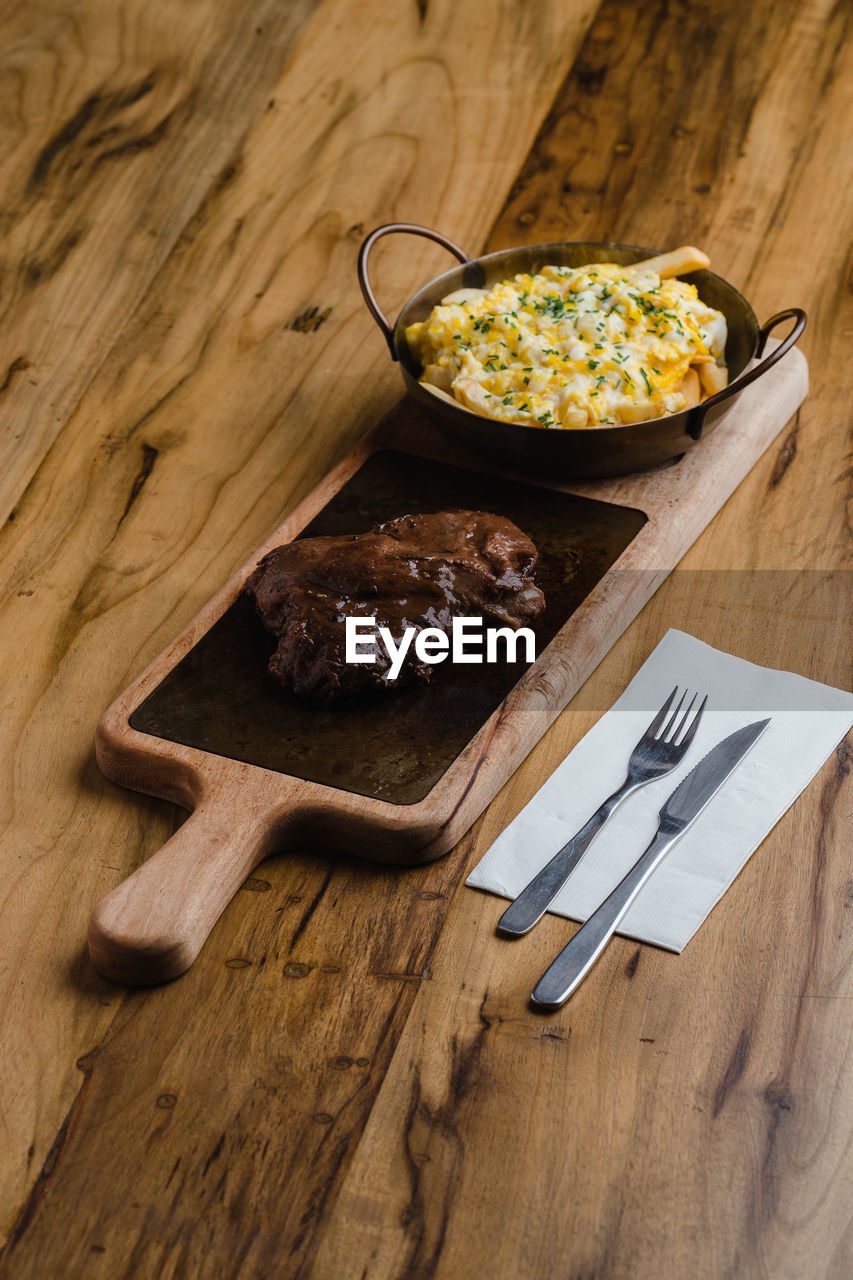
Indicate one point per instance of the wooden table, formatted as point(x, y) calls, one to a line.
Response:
point(349, 1082)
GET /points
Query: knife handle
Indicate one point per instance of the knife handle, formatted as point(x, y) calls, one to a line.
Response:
point(533, 901)
point(574, 962)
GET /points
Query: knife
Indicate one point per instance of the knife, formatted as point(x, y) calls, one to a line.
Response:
point(679, 812)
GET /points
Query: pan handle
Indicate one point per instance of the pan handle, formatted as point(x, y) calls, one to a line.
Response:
point(696, 418)
point(369, 296)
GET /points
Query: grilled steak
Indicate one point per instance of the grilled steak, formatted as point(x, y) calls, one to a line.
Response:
point(417, 571)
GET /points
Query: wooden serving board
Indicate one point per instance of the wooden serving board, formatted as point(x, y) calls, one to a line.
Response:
point(403, 778)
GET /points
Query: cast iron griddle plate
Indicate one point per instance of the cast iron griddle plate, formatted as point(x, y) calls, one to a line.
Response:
point(393, 746)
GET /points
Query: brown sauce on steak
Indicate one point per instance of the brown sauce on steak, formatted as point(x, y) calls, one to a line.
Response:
point(416, 571)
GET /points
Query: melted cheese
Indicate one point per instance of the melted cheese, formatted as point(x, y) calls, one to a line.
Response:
point(589, 346)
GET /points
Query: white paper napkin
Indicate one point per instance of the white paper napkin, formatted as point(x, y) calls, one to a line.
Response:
point(807, 721)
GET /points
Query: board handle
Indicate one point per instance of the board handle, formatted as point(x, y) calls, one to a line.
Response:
point(152, 926)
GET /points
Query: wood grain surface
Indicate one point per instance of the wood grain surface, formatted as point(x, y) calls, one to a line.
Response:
point(349, 1081)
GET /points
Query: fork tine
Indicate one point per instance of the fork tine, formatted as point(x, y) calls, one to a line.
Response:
point(661, 716)
point(665, 736)
point(683, 721)
point(691, 732)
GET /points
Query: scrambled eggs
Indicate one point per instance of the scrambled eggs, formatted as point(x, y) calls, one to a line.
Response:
point(573, 347)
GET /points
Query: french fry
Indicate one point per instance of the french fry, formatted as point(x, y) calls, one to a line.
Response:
point(574, 416)
point(714, 377)
point(678, 262)
point(438, 375)
point(462, 295)
point(439, 394)
point(640, 411)
point(471, 396)
point(690, 388)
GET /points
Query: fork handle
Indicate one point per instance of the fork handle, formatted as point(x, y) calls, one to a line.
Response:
point(533, 901)
point(576, 959)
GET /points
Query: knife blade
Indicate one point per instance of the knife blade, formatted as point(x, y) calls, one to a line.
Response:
point(705, 779)
point(679, 811)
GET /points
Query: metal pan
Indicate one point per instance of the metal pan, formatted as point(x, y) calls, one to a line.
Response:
point(579, 452)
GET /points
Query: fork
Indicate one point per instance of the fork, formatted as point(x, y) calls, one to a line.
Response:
point(652, 758)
